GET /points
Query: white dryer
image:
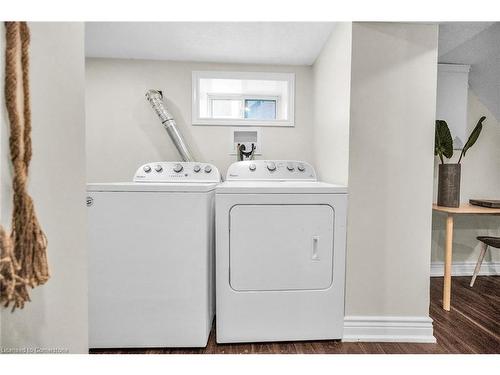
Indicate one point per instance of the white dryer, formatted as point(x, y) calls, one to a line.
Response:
point(280, 254)
point(151, 254)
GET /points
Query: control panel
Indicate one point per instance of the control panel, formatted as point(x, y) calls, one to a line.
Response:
point(259, 170)
point(182, 171)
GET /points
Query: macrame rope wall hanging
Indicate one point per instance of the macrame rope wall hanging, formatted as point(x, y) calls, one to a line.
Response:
point(23, 253)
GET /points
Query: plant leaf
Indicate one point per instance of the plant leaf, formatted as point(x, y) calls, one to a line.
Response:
point(443, 142)
point(474, 135)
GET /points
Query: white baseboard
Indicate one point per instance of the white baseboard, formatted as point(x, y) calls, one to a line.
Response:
point(388, 329)
point(466, 269)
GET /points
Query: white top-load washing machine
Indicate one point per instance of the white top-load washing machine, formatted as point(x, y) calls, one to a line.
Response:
point(280, 254)
point(151, 245)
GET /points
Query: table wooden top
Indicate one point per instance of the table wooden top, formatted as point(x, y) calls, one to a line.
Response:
point(467, 208)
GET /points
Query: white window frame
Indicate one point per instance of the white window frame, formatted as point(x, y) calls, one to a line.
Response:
point(290, 77)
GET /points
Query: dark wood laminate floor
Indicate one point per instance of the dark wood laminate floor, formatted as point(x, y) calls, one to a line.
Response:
point(472, 326)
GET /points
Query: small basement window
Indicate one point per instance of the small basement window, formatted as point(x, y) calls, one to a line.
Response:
point(243, 98)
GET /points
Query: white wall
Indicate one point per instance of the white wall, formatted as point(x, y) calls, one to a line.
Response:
point(393, 103)
point(123, 132)
point(480, 179)
point(332, 84)
point(57, 315)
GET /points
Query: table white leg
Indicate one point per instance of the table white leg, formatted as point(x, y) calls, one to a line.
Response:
point(447, 263)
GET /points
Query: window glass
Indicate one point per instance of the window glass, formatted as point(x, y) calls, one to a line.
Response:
point(259, 109)
point(226, 108)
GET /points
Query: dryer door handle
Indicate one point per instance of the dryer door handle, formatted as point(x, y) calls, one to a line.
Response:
point(314, 253)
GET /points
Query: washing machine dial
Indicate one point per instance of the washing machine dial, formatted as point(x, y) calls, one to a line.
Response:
point(147, 168)
point(208, 169)
point(178, 168)
point(271, 166)
point(196, 168)
point(301, 167)
point(290, 167)
point(252, 167)
point(158, 168)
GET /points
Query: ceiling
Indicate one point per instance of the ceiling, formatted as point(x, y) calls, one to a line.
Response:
point(476, 44)
point(289, 43)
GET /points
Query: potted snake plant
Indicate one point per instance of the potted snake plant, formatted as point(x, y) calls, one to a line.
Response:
point(449, 174)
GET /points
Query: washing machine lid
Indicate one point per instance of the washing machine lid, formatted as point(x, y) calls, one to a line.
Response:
point(279, 187)
point(192, 187)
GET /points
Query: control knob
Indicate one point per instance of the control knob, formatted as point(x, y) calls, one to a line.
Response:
point(178, 168)
point(196, 168)
point(271, 166)
point(301, 167)
point(290, 167)
point(158, 168)
point(208, 169)
point(147, 168)
point(252, 167)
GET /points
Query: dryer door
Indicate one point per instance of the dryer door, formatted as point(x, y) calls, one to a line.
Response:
point(281, 247)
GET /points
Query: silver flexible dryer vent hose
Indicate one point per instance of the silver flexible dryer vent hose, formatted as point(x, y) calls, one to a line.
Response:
point(155, 99)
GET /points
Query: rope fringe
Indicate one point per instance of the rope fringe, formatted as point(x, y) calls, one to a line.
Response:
point(23, 254)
